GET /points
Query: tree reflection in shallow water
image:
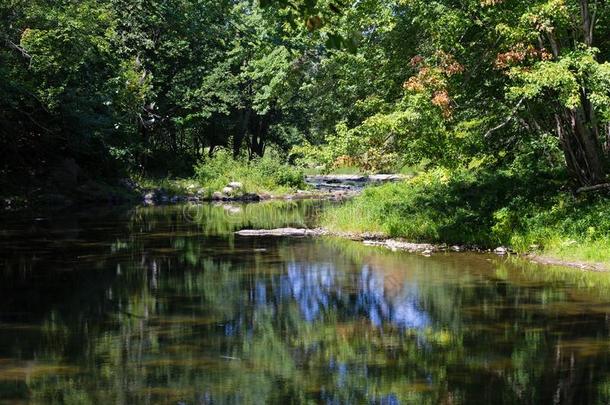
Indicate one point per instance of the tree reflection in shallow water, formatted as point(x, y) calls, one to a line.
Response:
point(146, 306)
point(402, 309)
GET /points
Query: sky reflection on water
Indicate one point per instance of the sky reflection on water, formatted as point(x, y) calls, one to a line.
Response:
point(146, 307)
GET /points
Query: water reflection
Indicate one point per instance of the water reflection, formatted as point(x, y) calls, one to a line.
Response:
point(312, 286)
point(316, 288)
point(148, 306)
point(402, 308)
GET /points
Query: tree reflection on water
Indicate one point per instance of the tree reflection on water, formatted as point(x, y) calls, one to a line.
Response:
point(145, 307)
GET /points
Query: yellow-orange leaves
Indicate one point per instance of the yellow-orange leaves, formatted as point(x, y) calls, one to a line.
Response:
point(520, 53)
point(433, 79)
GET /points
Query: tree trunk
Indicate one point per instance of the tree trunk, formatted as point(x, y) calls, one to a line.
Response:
point(259, 127)
point(580, 142)
point(241, 131)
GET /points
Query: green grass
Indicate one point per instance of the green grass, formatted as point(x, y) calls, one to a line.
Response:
point(596, 251)
point(264, 175)
point(483, 209)
point(267, 174)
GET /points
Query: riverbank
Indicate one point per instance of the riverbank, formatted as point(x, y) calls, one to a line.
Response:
point(425, 249)
point(486, 211)
point(320, 187)
point(148, 191)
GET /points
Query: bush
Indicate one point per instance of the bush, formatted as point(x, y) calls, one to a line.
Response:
point(267, 174)
point(437, 206)
point(482, 208)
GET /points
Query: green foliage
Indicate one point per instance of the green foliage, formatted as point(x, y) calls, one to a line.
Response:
point(437, 206)
point(481, 208)
point(266, 174)
point(567, 227)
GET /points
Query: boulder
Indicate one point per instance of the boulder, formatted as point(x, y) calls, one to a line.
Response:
point(235, 185)
point(501, 251)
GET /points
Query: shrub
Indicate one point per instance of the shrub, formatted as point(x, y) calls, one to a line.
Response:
point(267, 174)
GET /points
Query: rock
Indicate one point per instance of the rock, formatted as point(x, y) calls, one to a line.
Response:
point(227, 190)
point(290, 232)
point(235, 185)
point(382, 178)
point(501, 251)
point(250, 197)
point(149, 198)
point(217, 195)
point(396, 245)
point(337, 178)
point(456, 248)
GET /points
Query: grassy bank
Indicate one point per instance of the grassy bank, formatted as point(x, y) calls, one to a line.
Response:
point(267, 175)
point(483, 209)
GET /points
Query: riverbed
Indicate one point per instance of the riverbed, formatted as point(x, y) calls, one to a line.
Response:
point(166, 305)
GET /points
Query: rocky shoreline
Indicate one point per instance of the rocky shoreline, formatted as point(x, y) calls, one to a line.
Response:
point(160, 197)
point(425, 249)
point(322, 187)
point(367, 238)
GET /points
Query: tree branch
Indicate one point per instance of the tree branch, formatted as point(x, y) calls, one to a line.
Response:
point(593, 188)
point(18, 48)
point(507, 121)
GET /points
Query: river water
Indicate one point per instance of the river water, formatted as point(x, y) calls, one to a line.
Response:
point(164, 305)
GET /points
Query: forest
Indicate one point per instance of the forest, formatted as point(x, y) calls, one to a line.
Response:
point(496, 111)
point(304, 202)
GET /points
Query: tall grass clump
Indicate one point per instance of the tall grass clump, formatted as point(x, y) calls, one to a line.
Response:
point(266, 174)
point(482, 208)
point(568, 227)
point(436, 206)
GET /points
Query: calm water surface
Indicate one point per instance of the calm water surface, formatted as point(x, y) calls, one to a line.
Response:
point(166, 306)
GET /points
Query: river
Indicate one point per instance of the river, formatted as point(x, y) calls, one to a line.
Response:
point(165, 305)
